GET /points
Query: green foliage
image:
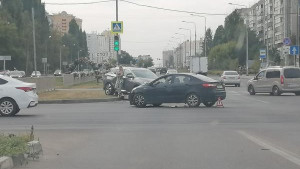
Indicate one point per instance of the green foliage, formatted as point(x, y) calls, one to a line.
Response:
point(12, 145)
point(223, 57)
point(125, 58)
point(145, 63)
point(16, 36)
point(274, 55)
point(209, 41)
point(229, 44)
point(219, 36)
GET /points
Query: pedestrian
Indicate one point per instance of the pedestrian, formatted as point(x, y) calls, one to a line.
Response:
point(119, 81)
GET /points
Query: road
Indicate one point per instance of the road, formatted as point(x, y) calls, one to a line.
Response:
point(251, 132)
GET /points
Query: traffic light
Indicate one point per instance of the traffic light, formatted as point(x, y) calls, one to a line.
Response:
point(116, 43)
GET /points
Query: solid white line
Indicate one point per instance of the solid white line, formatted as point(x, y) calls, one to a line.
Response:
point(273, 148)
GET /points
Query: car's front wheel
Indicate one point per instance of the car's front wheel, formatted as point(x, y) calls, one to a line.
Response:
point(209, 104)
point(193, 100)
point(139, 100)
point(109, 89)
point(8, 107)
point(251, 90)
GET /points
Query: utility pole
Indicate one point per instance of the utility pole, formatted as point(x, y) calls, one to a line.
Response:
point(60, 58)
point(34, 47)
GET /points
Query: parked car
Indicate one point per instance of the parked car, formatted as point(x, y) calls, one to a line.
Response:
point(36, 74)
point(16, 95)
point(17, 74)
point(133, 77)
point(191, 89)
point(276, 80)
point(57, 73)
point(172, 71)
point(231, 78)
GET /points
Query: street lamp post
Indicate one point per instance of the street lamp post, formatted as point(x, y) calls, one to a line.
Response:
point(190, 39)
point(180, 49)
point(247, 40)
point(205, 40)
point(184, 47)
point(195, 35)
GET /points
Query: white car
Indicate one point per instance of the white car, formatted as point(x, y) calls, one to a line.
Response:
point(37, 74)
point(231, 78)
point(172, 71)
point(16, 95)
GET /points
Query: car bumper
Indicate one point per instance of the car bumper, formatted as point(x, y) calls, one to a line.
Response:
point(231, 81)
point(28, 100)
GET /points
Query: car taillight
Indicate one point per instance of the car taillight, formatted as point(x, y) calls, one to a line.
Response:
point(282, 79)
point(207, 85)
point(224, 77)
point(25, 89)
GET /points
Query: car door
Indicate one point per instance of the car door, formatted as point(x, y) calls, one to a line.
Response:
point(260, 81)
point(128, 81)
point(160, 90)
point(3, 88)
point(179, 87)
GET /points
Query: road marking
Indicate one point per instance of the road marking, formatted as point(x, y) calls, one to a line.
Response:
point(214, 122)
point(273, 148)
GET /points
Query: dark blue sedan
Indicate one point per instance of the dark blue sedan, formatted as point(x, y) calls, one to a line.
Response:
point(192, 89)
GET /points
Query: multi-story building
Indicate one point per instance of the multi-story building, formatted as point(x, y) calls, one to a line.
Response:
point(272, 20)
point(60, 21)
point(101, 47)
point(180, 57)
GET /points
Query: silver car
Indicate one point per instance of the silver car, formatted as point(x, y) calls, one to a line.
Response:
point(231, 78)
point(276, 80)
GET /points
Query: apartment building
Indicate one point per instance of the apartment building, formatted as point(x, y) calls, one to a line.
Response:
point(60, 21)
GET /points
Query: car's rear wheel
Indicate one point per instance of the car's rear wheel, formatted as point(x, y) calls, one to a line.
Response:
point(157, 104)
point(139, 100)
point(251, 90)
point(209, 104)
point(193, 100)
point(276, 91)
point(109, 89)
point(8, 107)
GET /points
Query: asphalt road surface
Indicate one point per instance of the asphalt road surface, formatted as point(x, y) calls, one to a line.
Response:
point(251, 132)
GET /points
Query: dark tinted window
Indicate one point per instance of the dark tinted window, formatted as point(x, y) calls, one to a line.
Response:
point(292, 73)
point(204, 78)
point(273, 74)
point(2, 81)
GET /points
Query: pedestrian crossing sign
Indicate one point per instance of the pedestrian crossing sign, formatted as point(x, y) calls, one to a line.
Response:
point(116, 27)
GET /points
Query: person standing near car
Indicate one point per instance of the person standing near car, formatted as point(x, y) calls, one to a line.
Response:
point(119, 81)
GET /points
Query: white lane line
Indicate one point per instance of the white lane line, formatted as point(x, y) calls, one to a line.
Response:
point(214, 122)
point(273, 148)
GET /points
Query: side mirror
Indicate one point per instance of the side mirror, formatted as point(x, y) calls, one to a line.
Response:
point(255, 78)
point(130, 76)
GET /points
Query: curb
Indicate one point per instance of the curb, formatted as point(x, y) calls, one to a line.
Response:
point(6, 163)
point(78, 101)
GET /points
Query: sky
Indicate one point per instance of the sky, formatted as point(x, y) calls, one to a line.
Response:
point(148, 31)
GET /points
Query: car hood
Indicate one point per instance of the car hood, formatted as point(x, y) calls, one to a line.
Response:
point(143, 80)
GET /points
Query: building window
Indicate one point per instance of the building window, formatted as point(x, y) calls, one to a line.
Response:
point(64, 20)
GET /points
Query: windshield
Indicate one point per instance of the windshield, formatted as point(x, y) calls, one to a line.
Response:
point(144, 73)
point(15, 73)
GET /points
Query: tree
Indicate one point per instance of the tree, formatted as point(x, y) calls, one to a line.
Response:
point(219, 36)
point(145, 63)
point(274, 56)
point(208, 40)
point(125, 58)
